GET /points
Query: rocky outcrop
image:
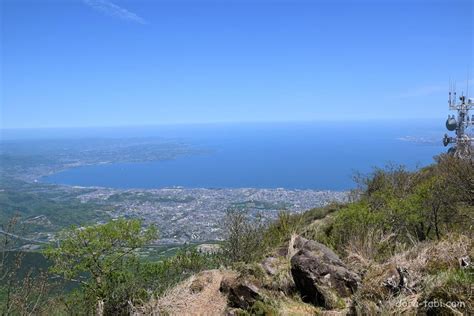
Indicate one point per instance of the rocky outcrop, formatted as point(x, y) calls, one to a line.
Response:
point(320, 276)
point(240, 293)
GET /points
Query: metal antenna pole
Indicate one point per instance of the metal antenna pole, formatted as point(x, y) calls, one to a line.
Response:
point(463, 142)
point(467, 85)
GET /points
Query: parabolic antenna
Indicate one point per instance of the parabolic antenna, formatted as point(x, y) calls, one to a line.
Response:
point(451, 124)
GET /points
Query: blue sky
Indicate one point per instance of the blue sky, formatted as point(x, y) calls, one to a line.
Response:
point(110, 63)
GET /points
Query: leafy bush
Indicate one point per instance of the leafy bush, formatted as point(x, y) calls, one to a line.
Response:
point(403, 208)
point(104, 261)
point(243, 237)
point(288, 224)
point(160, 276)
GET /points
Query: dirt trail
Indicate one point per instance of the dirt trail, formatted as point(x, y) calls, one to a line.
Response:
point(198, 295)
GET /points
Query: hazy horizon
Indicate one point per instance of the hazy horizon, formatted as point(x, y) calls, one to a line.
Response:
point(172, 129)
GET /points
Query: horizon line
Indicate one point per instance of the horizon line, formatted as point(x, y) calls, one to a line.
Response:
point(219, 123)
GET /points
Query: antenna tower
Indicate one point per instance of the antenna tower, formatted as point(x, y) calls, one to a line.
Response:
point(463, 142)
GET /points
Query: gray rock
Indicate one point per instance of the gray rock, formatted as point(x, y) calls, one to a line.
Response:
point(314, 246)
point(240, 293)
point(320, 276)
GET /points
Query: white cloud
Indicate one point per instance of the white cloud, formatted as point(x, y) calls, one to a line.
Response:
point(114, 10)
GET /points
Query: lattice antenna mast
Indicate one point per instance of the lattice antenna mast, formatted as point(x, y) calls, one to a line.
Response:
point(460, 124)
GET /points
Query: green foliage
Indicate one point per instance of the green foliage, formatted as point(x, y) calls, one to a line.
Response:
point(354, 219)
point(287, 224)
point(249, 239)
point(161, 275)
point(252, 271)
point(449, 287)
point(319, 213)
point(243, 237)
point(60, 211)
point(103, 259)
point(281, 230)
point(263, 309)
point(406, 207)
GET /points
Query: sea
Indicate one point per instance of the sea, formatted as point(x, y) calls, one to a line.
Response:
point(296, 155)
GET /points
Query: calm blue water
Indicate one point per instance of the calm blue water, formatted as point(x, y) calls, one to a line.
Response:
point(303, 155)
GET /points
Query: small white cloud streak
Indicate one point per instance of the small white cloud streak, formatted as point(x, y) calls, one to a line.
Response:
point(114, 10)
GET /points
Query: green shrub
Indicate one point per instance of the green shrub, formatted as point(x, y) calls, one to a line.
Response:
point(449, 291)
point(253, 271)
point(160, 276)
point(243, 237)
point(103, 259)
point(353, 222)
point(403, 207)
point(260, 308)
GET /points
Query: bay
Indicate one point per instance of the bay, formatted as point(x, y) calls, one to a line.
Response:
point(313, 155)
